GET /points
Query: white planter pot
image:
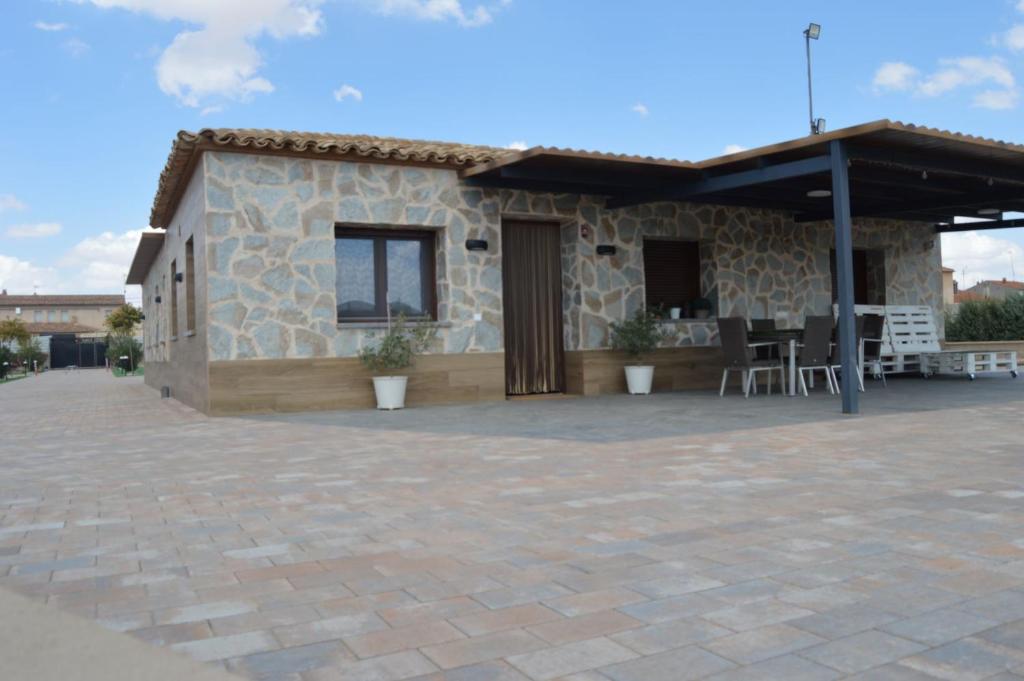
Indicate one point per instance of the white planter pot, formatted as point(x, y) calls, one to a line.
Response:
point(390, 391)
point(638, 379)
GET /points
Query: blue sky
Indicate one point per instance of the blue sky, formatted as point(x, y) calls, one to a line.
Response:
point(95, 90)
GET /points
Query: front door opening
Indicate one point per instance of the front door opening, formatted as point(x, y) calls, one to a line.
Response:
point(532, 296)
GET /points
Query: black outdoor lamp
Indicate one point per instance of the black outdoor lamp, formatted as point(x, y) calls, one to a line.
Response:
point(605, 249)
point(812, 32)
point(476, 244)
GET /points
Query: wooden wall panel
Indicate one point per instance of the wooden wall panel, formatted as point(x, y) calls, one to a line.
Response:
point(600, 372)
point(241, 386)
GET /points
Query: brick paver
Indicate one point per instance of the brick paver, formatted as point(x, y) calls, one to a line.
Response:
point(667, 537)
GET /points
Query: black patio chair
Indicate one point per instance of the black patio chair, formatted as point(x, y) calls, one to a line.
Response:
point(815, 351)
point(871, 345)
point(764, 351)
point(738, 356)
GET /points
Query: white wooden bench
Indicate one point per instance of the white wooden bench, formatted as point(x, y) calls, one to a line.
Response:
point(910, 344)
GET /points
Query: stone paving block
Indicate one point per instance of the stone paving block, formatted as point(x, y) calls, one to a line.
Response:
point(593, 601)
point(281, 663)
point(482, 648)
point(657, 638)
point(168, 634)
point(761, 644)
point(681, 664)
point(516, 617)
point(385, 641)
point(328, 629)
point(394, 667)
point(570, 658)
point(485, 671)
point(964, 660)
point(570, 629)
point(224, 647)
point(939, 626)
point(675, 586)
point(862, 651)
point(843, 621)
point(202, 611)
point(506, 598)
point(784, 668)
point(756, 614)
point(666, 609)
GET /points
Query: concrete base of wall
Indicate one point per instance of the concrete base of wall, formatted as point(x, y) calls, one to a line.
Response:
point(187, 382)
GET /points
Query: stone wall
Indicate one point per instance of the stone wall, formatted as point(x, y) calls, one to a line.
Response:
point(179, 362)
point(270, 228)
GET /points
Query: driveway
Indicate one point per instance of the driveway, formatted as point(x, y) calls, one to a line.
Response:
point(670, 537)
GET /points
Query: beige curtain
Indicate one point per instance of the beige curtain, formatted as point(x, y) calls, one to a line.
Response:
point(532, 280)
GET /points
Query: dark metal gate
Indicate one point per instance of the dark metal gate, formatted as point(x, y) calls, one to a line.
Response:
point(66, 350)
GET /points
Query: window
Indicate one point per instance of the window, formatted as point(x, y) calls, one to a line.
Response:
point(190, 287)
point(381, 266)
point(671, 272)
point(174, 300)
point(51, 315)
point(17, 311)
point(37, 316)
point(65, 316)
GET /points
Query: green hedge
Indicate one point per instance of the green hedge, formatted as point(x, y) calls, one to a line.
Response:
point(987, 320)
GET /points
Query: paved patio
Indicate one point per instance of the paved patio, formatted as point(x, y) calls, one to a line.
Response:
point(632, 539)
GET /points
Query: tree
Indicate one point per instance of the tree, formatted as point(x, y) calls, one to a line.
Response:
point(14, 331)
point(32, 355)
point(123, 320)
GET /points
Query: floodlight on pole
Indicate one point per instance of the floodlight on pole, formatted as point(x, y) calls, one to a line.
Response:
point(812, 32)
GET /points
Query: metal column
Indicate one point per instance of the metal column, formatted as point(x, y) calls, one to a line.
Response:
point(844, 274)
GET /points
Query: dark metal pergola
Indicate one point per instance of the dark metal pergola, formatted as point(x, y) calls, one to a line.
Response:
point(881, 169)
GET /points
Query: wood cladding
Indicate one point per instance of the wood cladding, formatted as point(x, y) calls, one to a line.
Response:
point(267, 385)
point(600, 372)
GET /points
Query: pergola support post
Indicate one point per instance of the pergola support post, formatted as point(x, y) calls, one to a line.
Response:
point(844, 274)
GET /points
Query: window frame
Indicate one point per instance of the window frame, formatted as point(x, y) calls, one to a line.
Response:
point(380, 236)
point(190, 287)
point(174, 300)
point(698, 278)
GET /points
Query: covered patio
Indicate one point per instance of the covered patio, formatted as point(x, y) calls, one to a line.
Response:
point(878, 171)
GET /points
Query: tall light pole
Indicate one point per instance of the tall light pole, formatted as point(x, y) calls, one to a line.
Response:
point(812, 32)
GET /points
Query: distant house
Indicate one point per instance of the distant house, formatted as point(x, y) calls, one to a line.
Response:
point(70, 318)
point(949, 289)
point(993, 290)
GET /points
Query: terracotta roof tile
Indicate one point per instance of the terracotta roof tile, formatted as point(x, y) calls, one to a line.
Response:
point(48, 328)
point(68, 300)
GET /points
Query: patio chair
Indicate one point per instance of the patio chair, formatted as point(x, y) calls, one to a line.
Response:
point(871, 345)
point(738, 356)
point(835, 361)
point(814, 353)
point(764, 351)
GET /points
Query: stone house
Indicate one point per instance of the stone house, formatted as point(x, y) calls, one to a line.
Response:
point(279, 254)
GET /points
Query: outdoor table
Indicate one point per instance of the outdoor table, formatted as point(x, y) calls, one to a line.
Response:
point(780, 337)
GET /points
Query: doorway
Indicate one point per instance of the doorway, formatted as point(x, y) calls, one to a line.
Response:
point(531, 274)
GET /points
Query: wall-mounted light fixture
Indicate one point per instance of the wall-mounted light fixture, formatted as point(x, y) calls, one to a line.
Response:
point(476, 245)
point(585, 231)
point(142, 317)
point(179, 276)
point(606, 249)
point(156, 299)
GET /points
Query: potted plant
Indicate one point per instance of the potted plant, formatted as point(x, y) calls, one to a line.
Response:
point(637, 337)
point(395, 351)
point(700, 308)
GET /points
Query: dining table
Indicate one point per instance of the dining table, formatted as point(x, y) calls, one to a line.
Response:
point(782, 338)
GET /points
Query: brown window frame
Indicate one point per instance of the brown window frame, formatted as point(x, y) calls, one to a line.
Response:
point(190, 287)
point(380, 237)
point(693, 289)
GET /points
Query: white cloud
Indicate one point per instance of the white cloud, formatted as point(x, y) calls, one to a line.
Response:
point(641, 109)
point(991, 73)
point(966, 71)
point(211, 110)
point(21, 276)
point(895, 75)
point(45, 26)
point(1020, 6)
point(34, 231)
point(10, 202)
point(76, 48)
point(983, 256)
point(347, 91)
point(439, 10)
point(733, 148)
point(518, 145)
point(219, 59)
point(1014, 38)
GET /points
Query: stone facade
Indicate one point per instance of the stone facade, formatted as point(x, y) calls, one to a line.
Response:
point(269, 228)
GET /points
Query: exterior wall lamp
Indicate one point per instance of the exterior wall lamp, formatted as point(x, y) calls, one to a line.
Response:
point(476, 245)
point(605, 249)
